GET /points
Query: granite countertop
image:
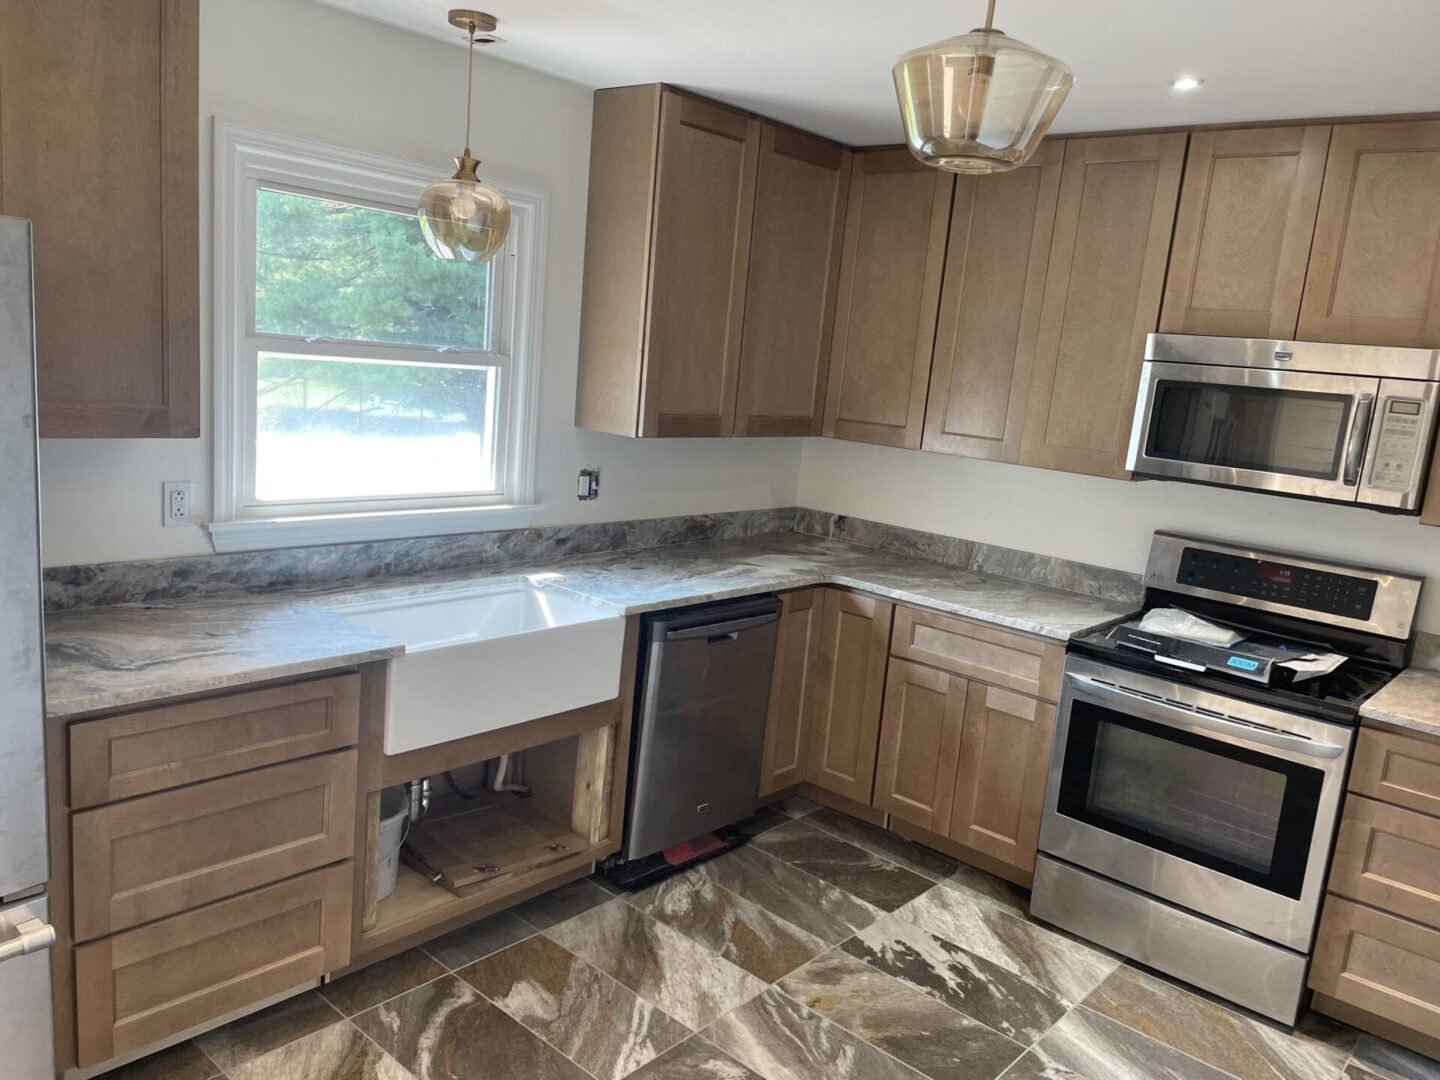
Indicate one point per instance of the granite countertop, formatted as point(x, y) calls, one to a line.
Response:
point(108, 657)
point(1410, 700)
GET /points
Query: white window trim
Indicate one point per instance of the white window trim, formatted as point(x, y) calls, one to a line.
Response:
point(246, 156)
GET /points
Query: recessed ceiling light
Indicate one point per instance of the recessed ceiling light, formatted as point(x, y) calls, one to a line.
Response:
point(1187, 82)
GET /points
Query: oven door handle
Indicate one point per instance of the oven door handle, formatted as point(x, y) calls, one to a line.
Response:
point(1359, 435)
point(1177, 716)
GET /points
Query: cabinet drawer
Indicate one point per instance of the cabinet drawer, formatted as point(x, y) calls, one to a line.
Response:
point(142, 985)
point(139, 752)
point(974, 650)
point(1389, 857)
point(150, 857)
point(1380, 963)
point(1397, 769)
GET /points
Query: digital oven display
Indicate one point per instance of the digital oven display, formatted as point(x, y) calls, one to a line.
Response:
point(1282, 583)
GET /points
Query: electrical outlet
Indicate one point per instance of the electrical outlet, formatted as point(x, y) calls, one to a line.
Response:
point(175, 508)
point(587, 487)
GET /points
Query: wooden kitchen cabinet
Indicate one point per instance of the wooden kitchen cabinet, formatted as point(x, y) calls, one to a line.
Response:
point(1388, 857)
point(795, 245)
point(1243, 232)
point(1374, 276)
point(1000, 784)
point(1102, 296)
point(667, 248)
point(849, 693)
point(787, 725)
point(995, 263)
point(920, 744)
point(890, 274)
point(99, 147)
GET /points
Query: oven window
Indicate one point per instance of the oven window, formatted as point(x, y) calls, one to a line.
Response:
point(1250, 427)
point(1234, 809)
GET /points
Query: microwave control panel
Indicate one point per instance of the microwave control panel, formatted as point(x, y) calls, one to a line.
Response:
point(1398, 444)
point(1281, 583)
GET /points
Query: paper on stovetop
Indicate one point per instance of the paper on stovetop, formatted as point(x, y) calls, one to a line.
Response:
point(1179, 623)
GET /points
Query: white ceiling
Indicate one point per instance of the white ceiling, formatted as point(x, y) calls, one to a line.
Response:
point(825, 64)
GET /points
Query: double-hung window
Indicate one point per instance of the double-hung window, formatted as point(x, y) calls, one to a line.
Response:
point(365, 388)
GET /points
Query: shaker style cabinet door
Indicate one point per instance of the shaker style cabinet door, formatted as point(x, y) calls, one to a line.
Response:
point(920, 744)
point(705, 195)
point(790, 298)
point(890, 274)
point(999, 248)
point(1102, 296)
point(849, 689)
point(99, 146)
point(1374, 275)
point(1242, 237)
point(787, 726)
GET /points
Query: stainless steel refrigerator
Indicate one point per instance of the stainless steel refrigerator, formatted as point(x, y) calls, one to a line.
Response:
point(26, 1042)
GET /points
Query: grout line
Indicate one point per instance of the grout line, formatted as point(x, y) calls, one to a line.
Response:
point(365, 1035)
point(1157, 1042)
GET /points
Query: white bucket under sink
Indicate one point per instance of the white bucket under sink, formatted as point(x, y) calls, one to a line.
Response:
point(488, 657)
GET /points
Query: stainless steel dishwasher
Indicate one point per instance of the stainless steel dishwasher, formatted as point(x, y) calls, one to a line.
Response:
point(700, 722)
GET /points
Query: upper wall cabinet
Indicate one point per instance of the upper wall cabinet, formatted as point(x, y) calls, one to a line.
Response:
point(790, 300)
point(890, 276)
point(1000, 230)
point(99, 147)
point(1374, 275)
point(1102, 296)
point(1242, 237)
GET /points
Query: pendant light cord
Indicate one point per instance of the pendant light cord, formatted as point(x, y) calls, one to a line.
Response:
point(990, 15)
point(470, 83)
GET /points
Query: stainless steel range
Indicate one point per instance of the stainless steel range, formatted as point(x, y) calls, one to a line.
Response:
point(1195, 784)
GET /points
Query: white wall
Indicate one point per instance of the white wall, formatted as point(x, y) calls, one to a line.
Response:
point(1104, 522)
point(298, 67)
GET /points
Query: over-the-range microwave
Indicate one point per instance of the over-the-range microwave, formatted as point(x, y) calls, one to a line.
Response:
point(1345, 423)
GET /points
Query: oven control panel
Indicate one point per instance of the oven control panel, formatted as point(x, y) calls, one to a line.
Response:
point(1398, 444)
point(1278, 582)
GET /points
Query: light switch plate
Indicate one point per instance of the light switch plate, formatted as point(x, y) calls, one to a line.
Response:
point(175, 507)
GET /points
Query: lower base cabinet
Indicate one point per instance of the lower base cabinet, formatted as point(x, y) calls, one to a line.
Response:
point(920, 744)
point(849, 692)
point(1380, 963)
point(787, 726)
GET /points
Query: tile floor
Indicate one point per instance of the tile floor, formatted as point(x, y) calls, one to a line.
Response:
point(824, 950)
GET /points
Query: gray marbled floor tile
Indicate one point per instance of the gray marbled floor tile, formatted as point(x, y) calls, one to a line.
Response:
point(1032, 1066)
point(1324, 1029)
point(767, 817)
point(605, 883)
point(782, 1040)
point(905, 1023)
point(795, 807)
point(470, 943)
point(662, 965)
point(1067, 967)
point(547, 909)
point(369, 986)
point(799, 898)
point(605, 1028)
point(1216, 1035)
point(446, 1031)
point(741, 931)
point(695, 1059)
point(873, 879)
point(992, 994)
point(184, 1061)
point(1359, 1072)
point(337, 1052)
point(997, 890)
point(1392, 1062)
point(247, 1038)
point(1098, 1048)
point(914, 857)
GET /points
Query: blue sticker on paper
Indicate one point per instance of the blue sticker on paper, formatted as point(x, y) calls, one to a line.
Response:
point(1242, 663)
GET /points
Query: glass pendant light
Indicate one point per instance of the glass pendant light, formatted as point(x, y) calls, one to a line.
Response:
point(978, 103)
point(463, 218)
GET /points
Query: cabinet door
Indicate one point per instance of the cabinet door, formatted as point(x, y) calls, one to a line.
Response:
point(920, 744)
point(790, 298)
point(1242, 237)
point(889, 294)
point(1388, 857)
point(849, 689)
point(787, 726)
point(999, 249)
point(1102, 296)
point(1379, 963)
point(1374, 276)
point(705, 196)
point(1000, 786)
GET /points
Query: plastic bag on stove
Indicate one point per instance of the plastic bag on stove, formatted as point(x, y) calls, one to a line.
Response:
point(1178, 623)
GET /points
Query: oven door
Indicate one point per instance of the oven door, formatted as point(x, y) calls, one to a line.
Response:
point(1291, 432)
point(1223, 807)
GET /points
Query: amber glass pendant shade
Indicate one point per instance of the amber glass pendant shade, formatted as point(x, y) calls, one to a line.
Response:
point(980, 102)
point(464, 218)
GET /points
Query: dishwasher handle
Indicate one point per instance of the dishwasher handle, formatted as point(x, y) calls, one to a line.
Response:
point(722, 629)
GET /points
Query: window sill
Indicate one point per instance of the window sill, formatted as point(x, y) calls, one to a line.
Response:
point(270, 533)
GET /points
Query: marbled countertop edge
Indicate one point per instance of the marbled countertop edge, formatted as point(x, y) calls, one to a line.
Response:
point(1410, 700)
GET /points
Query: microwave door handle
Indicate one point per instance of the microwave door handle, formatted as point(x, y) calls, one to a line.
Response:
point(1359, 434)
